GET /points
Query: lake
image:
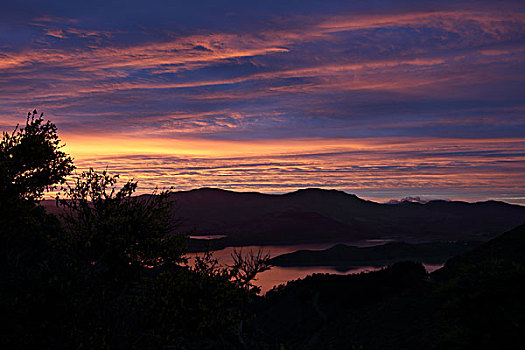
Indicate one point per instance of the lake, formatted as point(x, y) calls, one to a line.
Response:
point(279, 275)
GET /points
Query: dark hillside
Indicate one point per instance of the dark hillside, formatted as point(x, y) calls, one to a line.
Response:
point(315, 216)
point(477, 301)
point(345, 256)
point(507, 250)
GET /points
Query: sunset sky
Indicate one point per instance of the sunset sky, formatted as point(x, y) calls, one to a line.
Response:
point(384, 99)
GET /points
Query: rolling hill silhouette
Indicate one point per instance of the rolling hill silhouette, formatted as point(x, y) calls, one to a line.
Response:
point(342, 255)
point(476, 301)
point(316, 215)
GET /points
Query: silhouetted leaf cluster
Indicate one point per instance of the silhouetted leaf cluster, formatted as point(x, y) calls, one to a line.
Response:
point(111, 272)
point(31, 160)
point(109, 229)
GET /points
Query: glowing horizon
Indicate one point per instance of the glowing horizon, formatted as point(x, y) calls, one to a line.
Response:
point(375, 169)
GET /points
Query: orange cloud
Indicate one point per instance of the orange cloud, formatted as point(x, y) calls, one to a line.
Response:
point(280, 165)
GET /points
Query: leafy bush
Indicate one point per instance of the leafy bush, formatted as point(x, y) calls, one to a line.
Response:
point(111, 274)
point(31, 160)
point(109, 230)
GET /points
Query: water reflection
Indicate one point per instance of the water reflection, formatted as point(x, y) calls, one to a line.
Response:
point(208, 237)
point(279, 275)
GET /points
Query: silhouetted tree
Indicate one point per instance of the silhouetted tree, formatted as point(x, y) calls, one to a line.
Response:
point(246, 267)
point(109, 229)
point(31, 160)
point(109, 275)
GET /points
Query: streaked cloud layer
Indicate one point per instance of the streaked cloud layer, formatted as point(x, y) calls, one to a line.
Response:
point(382, 99)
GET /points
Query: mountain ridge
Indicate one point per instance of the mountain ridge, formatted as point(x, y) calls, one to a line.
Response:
point(314, 215)
point(318, 215)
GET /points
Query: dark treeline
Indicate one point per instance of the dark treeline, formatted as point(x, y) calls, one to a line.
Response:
point(476, 301)
point(110, 274)
point(347, 256)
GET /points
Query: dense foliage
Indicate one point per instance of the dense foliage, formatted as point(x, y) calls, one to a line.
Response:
point(31, 160)
point(476, 301)
point(30, 163)
point(110, 230)
point(110, 272)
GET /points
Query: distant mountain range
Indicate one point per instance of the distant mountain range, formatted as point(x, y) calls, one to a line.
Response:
point(330, 216)
point(317, 215)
